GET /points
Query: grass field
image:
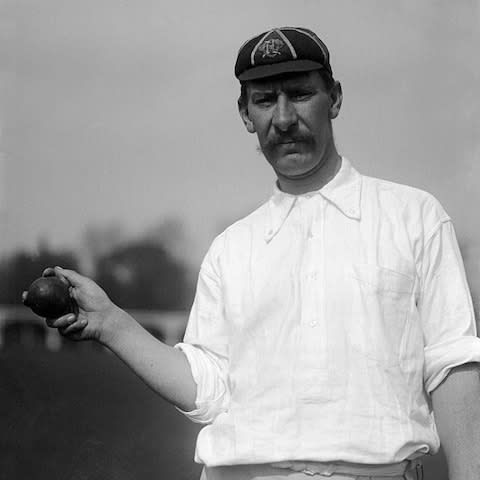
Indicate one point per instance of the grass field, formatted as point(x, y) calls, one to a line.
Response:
point(80, 414)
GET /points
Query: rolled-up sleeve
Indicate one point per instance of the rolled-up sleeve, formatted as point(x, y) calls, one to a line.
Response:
point(445, 307)
point(205, 345)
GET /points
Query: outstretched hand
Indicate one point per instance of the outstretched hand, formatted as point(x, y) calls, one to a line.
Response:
point(92, 310)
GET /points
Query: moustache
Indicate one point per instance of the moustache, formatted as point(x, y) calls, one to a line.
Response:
point(285, 139)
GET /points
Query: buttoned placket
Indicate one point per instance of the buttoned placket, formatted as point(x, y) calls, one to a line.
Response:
point(312, 217)
point(312, 357)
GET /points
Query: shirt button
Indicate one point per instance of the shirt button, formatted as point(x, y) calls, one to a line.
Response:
point(313, 323)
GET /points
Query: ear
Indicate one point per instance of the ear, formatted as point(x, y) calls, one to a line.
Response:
point(243, 110)
point(336, 96)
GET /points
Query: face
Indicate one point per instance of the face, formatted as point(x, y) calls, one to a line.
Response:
point(291, 115)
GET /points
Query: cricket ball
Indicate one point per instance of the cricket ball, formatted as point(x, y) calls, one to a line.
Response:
point(49, 297)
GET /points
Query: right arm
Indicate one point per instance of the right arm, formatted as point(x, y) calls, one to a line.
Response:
point(163, 368)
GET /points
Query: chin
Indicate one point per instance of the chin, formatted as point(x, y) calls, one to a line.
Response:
point(296, 168)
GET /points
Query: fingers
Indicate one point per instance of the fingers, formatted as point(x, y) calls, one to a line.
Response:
point(61, 322)
point(74, 328)
point(48, 272)
point(73, 277)
point(68, 325)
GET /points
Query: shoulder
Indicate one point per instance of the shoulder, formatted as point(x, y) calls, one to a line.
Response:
point(255, 219)
point(397, 191)
point(238, 234)
point(416, 210)
point(409, 202)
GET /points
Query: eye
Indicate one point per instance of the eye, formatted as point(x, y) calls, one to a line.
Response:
point(299, 95)
point(263, 100)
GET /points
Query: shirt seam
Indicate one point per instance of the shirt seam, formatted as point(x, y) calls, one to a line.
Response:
point(434, 231)
point(205, 270)
point(426, 243)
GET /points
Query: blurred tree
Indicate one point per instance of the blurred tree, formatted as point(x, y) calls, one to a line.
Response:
point(98, 240)
point(20, 269)
point(143, 275)
point(169, 233)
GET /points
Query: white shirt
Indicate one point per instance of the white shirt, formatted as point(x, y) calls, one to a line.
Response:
point(323, 321)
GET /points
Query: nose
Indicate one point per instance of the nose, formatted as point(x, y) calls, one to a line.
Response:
point(284, 115)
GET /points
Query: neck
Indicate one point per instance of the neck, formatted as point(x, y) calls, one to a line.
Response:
point(314, 180)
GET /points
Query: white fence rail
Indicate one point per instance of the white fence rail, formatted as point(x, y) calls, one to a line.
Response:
point(170, 326)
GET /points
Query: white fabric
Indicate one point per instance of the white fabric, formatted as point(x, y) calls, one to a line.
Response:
point(322, 322)
point(408, 470)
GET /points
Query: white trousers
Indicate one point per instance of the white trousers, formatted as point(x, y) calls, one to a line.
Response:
point(405, 471)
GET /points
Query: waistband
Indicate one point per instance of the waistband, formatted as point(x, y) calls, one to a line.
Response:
point(355, 469)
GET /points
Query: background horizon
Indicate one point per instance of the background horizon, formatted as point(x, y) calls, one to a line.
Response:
point(120, 118)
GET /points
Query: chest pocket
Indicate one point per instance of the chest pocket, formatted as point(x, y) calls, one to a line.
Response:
point(381, 302)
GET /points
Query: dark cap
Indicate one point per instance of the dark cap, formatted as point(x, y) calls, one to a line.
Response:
point(281, 50)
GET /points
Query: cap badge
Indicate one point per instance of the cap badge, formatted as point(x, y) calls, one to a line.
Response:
point(271, 48)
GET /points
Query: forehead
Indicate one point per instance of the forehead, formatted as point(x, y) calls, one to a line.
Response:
point(287, 81)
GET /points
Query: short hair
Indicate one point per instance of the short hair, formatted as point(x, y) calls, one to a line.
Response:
point(326, 76)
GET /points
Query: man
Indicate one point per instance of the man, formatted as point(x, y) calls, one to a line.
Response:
point(331, 324)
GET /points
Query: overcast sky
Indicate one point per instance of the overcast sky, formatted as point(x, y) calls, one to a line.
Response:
point(125, 111)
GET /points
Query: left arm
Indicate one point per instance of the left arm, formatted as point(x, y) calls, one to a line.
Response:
point(456, 406)
point(451, 349)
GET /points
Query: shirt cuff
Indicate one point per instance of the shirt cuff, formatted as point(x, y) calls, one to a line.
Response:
point(442, 357)
point(211, 391)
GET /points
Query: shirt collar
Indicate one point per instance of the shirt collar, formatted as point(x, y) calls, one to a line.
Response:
point(343, 191)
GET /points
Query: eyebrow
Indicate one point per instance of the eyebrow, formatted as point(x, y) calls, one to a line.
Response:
point(270, 88)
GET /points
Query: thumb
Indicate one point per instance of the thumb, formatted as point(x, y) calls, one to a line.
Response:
point(74, 278)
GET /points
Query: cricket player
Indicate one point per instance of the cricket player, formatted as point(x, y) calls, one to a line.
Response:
point(332, 333)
